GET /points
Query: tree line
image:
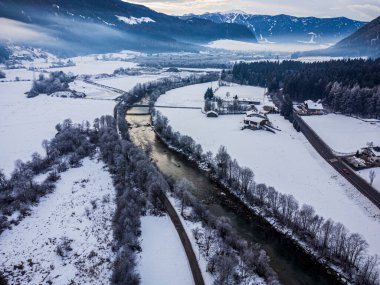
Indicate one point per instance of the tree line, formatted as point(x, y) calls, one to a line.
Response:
point(330, 241)
point(230, 259)
point(358, 81)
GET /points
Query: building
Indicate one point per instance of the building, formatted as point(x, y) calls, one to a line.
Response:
point(313, 108)
point(255, 113)
point(255, 122)
point(212, 114)
point(372, 153)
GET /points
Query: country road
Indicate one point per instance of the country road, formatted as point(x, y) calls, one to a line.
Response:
point(336, 162)
point(196, 272)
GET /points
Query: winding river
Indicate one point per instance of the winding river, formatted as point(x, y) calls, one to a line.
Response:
point(291, 264)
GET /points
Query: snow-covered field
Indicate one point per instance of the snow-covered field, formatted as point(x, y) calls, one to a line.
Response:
point(262, 47)
point(25, 123)
point(126, 83)
point(163, 259)
point(80, 210)
point(284, 160)
point(91, 91)
point(376, 181)
point(92, 67)
point(342, 133)
point(21, 74)
point(250, 92)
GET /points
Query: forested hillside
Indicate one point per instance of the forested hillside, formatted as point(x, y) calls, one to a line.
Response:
point(347, 86)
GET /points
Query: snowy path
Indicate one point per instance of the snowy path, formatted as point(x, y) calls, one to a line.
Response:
point(163, 260)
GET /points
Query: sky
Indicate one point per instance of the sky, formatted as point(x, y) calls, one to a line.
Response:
point(365, 10)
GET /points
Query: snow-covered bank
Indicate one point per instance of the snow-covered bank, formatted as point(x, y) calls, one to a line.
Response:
point(163, 259)
point(284, 160)
point(343, 133)
point(68, 235)
point(25, 123)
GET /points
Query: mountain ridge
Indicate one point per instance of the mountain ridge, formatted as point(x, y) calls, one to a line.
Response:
point(286, 28)
point(123, 25)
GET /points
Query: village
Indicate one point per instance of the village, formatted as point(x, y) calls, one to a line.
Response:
point(227, 99)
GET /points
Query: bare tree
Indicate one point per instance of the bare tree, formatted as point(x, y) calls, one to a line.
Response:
point(183, 188)
point(372, 175)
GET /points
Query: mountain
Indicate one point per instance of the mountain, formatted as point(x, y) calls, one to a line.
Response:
point(71, 26)
point(364, 42)
point(284, 28)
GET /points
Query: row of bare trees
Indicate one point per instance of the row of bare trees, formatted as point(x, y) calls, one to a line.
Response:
point(331, 242)
point(230, 258)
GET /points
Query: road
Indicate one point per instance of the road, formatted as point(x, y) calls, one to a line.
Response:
point(197, 274)
point(336, 162)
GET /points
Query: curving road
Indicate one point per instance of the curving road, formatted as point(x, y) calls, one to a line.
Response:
point(197, 274)
point(336, 162)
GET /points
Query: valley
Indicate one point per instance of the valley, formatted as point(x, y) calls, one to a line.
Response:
point(140, 146)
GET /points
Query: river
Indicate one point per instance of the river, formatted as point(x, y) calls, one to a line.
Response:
point(291, 264)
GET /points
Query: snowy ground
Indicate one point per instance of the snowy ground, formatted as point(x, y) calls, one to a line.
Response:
point(81, 210)
point(163, 259)
point(242, 91)
point(284, 160)
point(262, 47)
point(25, 123)
point(21, 73)
point(376, 181)
point(126, 83)
point(342, 133)
point(92, 91)
point(95, 67)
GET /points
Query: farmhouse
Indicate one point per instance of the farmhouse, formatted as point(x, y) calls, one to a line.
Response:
point(255, 113)
point(309, 107)
point(372, 153)
point(255, 122)
point(313, 108)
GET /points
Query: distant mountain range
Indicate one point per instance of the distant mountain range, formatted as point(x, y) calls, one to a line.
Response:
point(364, 42)
point(284, 28)
point(82, 26)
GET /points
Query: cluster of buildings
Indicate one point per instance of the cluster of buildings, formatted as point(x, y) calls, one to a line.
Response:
point(365, 157)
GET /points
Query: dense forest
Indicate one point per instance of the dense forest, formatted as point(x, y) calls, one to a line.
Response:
point(348, 86)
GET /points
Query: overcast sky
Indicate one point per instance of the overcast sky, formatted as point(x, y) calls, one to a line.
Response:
point(355, 9)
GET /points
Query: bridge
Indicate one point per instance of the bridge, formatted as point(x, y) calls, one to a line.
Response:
point(163, 106)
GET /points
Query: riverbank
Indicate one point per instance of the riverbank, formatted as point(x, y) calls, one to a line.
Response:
point(270, 228)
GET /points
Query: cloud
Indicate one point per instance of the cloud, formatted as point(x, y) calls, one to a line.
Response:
point(356, 9)
point(368, 11)
point(16, 31)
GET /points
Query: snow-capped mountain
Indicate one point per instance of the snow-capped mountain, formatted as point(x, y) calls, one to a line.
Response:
point(365, 42)
point(285, 28)
point(98, 25)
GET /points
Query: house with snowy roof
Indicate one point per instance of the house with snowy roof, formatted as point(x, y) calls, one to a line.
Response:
point(314, 108)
